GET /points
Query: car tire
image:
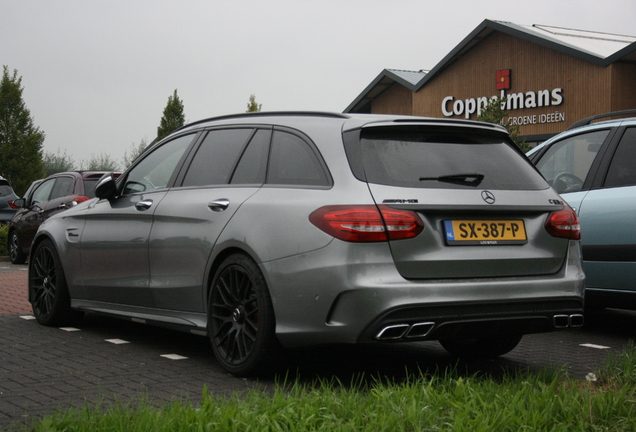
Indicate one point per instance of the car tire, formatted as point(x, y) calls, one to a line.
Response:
point(48, 292)
point(15, 249)
point(241, 319)
point(481, 348)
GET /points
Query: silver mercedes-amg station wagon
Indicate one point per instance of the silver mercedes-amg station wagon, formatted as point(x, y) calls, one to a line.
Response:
point(267, 231)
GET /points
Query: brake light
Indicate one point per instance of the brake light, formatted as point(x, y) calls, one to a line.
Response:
point(564, 223)
point(79, 199)
point(13, 206)
point(367, 223)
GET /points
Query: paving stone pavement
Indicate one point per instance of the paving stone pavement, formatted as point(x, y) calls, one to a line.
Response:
point(102, 360)
point(13, 292)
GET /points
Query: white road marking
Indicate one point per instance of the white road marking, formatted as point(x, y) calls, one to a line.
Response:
point(173, 356)
point(589, 345)
point(116, 341)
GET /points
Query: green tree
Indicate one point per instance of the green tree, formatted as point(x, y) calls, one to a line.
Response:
point(136, 150)
point(101, 162)
point(173, 117)
point(20, 140)
point(252, 106)
point(55, 163)
point(494, 112)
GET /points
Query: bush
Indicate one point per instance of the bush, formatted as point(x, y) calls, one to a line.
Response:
point(4, 233)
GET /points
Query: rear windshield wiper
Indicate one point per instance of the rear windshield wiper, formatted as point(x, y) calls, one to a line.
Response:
point(460, 179)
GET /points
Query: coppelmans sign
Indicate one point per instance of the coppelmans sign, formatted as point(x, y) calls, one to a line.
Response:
point(510, 101)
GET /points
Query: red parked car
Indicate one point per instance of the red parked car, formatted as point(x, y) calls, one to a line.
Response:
point(45, 198)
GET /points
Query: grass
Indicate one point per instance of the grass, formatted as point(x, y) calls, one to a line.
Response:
point(446, 401)
point(4, 235)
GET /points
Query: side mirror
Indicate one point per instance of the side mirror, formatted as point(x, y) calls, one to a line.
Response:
point(19, 203)
point(106, 187)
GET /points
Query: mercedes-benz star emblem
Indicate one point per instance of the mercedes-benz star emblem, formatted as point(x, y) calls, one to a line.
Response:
point(488, 196)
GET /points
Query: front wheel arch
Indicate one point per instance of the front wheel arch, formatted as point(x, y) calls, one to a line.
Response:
point(48, 291)
point(16, 254)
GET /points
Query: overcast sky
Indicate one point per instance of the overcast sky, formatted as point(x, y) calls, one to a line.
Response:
point(97, 74)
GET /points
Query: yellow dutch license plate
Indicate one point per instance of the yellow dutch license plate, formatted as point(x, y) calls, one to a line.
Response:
point(485, 232)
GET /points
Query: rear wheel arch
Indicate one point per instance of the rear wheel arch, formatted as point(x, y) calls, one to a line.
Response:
point(241, 320)
point(216, 263)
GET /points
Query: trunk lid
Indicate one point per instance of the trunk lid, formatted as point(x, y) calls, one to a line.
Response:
point(483, 204)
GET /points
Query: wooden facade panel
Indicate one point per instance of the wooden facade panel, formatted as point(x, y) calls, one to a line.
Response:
point(394, 100)
point(623, 89)
point(587, 89)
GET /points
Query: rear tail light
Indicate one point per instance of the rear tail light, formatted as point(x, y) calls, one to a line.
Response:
point(564, 223)
point(12, 205)
point(79, 199)
point(367, 223)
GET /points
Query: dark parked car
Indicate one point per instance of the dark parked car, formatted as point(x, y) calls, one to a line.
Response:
point(297, 229)
point(7, 198)
point(43, 199)
point(593, 167)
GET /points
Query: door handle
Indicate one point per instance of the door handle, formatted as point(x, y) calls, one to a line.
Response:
point(143, 205)
point(219, 205)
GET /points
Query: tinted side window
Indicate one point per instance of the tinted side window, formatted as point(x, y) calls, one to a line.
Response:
point(155, 169)
point(622, 170)
point(63, 187)
point(43, 192)
point(216, 157)
point(293, 162)
point(252, 167)
point(572, 156)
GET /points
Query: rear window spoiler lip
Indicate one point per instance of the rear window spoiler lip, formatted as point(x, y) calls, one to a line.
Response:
point(469, 124)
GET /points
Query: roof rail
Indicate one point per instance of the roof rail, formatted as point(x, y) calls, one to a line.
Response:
point(265, 114)
point(587, 121)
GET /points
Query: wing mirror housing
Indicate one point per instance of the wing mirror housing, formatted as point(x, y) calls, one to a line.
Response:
point(19, 203)
point(106, 187)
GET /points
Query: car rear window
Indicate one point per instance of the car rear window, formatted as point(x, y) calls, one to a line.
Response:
point(89, 187)
point(5, 190)
point(449, 158)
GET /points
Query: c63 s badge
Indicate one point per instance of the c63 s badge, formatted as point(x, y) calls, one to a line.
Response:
point(400, 201)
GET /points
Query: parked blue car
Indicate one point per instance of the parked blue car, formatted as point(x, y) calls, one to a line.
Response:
point(593, 167)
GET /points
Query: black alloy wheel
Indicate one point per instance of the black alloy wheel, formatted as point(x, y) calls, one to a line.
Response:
point(48, 292)
point(15, 249)
point(241, 317)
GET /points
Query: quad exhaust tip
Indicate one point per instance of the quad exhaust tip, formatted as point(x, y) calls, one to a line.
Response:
point(406, 331)
point(565, 321)
point(419, 330)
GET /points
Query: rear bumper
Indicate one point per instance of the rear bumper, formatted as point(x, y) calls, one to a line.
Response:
point(345, 294)
point(474, 320)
